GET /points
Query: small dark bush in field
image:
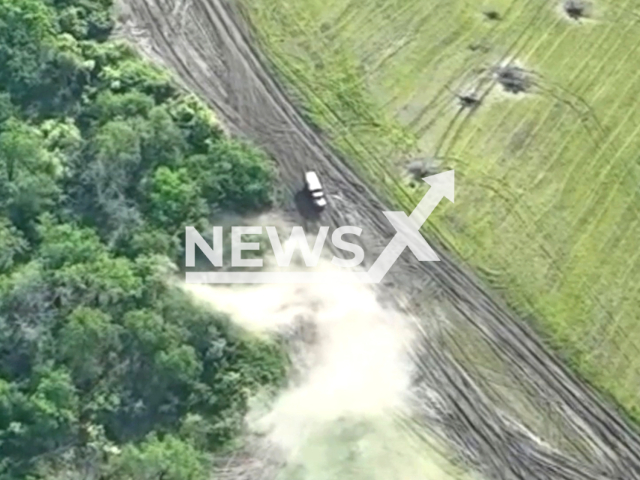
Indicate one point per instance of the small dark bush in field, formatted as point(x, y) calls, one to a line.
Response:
point(478, 47)
point(492, 15)
point(576, 9)
point(468, 101)
point(513, 79)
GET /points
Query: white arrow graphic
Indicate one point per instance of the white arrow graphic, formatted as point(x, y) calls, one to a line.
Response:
point(408, 228)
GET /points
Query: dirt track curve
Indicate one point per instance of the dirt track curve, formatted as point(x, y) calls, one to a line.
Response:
point(207, 45)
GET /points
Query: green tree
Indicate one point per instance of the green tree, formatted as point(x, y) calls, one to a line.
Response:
point(234, 175)
point(116, 159)
point(85, 20)
point(38, 421)
point(164, 143)
point(174, 199)
point(119, 106)
point(27, 318)
point(63, 244)
point(82, 271)
point(89, 345)
point(150, 240)
point(29, 174)
point(106, 282)
point(12, 245)
point(7, 109)
point(26, 37)
point(63, 77)
point(107, 179)
point(130, 73)
point(169, 459)
point(160, 353)
point(200, 126)
point(63, 138)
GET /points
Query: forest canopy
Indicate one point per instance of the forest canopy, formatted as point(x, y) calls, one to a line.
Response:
point(106, 369)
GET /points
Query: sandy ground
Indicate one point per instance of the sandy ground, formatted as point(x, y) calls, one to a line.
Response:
point(351, 409)
point(505, 405)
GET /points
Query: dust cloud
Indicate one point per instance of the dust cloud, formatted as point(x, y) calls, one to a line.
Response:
point(346, 413)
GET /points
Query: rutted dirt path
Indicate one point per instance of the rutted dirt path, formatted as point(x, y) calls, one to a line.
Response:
point(205, 43)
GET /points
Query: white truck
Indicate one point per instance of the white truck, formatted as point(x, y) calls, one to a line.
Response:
point(314, 189)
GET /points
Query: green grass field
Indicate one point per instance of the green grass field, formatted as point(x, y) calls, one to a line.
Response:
point(548, 183)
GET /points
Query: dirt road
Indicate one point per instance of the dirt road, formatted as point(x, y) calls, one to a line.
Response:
point(526, 416)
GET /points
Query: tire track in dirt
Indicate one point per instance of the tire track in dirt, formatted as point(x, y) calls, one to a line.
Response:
point(207, 45)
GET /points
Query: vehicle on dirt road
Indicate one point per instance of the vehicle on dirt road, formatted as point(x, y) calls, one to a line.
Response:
point(313, 187)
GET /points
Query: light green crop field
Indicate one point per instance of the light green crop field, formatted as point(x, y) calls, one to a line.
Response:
point(547, 182)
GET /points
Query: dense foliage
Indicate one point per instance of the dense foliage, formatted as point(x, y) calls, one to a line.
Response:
point(106, 370)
